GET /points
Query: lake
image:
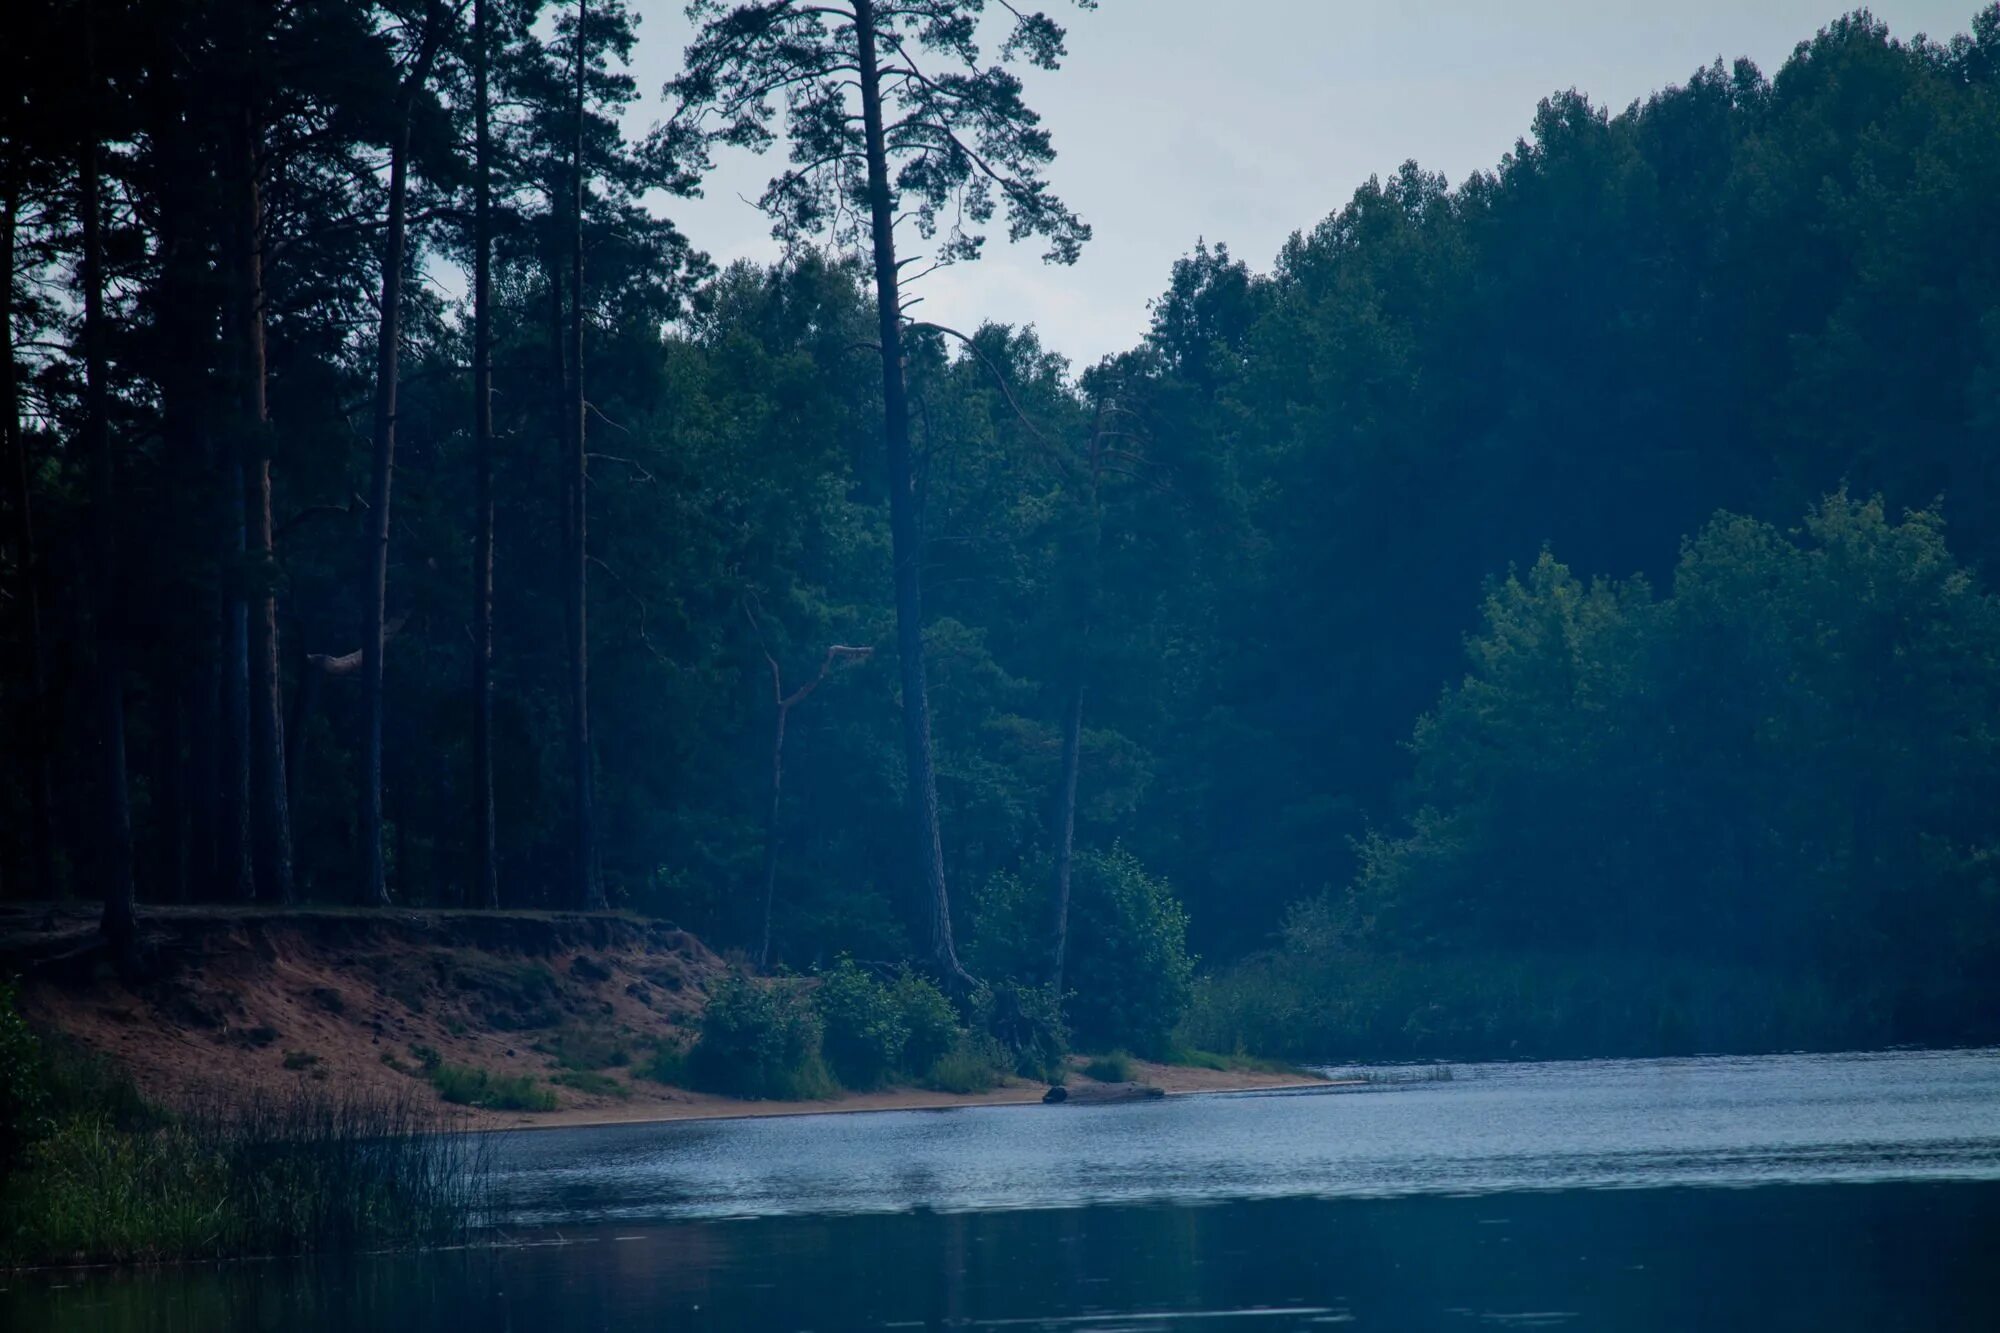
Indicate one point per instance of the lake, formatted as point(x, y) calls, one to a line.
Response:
point(1840, 1191)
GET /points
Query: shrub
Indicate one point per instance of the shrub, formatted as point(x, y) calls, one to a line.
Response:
point(592, 1082)
point(975, 1063)
point(297, 1060)
point(1026, 1024)
point(464, 1085)
point(1128, 974)
point(760, 1042)
point(579, 1048)
point(864, 1030)
point(1113, 1068)
point(929, 1019)
point(23, 1079)
point(667, 1064)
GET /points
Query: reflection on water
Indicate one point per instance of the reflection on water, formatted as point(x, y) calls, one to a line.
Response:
point(1808, 1257)
point(1518, 1196)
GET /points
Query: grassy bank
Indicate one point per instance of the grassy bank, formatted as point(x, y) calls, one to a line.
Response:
point(94, 1173)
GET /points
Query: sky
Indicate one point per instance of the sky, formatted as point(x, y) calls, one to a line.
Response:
point(1243, 121)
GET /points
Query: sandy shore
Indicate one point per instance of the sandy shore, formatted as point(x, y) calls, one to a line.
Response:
point(674, 1104)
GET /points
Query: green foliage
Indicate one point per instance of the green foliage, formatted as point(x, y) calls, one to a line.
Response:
point(1025, 1025)
point(1128, 973)
point(1753, 814)
point(975, 1064)
point(300, 1060)
point(23, 1078)
point(465, 1085)
point(667, 1064)
point(865, 1035)
point(592, 1082)
point(760, 1041)
point(95, 1174)
point(581, 1049)
point(931, 1024)
point(1113, 1068)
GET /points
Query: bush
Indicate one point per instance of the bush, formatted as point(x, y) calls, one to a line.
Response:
point(1025, 1023)
point(975, 1063)
point(592, 1082)
point(1128, 972)
point(760, 1042)
point(1113, 1068)
point(585, 1049)
point(668, 1064)
point(464, 1085)
point(863, 1026)
point(23, 1079)
point(929, 1019)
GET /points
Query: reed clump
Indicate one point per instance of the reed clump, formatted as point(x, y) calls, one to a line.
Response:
point(94, 1173)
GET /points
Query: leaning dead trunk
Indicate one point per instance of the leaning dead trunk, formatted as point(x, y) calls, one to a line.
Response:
point(905, 541)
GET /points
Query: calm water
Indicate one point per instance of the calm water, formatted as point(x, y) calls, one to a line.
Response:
point(1605, 1194)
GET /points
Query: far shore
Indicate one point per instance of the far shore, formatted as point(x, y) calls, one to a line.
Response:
point(675, 1104)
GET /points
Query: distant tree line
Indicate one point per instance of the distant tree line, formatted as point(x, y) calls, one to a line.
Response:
point(399, 507)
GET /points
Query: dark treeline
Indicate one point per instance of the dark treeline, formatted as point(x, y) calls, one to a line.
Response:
point(754, 601)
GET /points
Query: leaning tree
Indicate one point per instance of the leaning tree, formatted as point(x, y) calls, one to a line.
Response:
point(891, 118)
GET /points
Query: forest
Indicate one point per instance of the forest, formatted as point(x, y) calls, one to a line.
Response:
point(1544, 613)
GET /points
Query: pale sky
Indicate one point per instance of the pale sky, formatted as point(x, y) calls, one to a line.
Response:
point(1242, 121)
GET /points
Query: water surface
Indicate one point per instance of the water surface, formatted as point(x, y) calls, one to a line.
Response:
point(1827, 1192)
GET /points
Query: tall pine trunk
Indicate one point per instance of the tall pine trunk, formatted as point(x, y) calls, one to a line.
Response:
point(904, 537)
point(271, 824)
point(589, 887)
point(1065, 839)
point(234, 860)
point(115, 810)
point(41, 877)
point(1072, 739)
point(388, 366)
point(486, 878)
point(186, 316)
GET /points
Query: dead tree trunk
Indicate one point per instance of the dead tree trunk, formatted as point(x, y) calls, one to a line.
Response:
point(905, 539)
point(783, 705)
point(486, 875)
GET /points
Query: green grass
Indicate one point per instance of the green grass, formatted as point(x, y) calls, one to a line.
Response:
point(585, 1049)
point(1239, 1063)
point(668, 1064)
point(313, 1172)
point(465, 1085)
point(966, 1068)
point(591, 1082)
point(1116, 1067)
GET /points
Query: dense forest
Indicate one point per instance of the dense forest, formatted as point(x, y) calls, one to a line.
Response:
point(1544, 612)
